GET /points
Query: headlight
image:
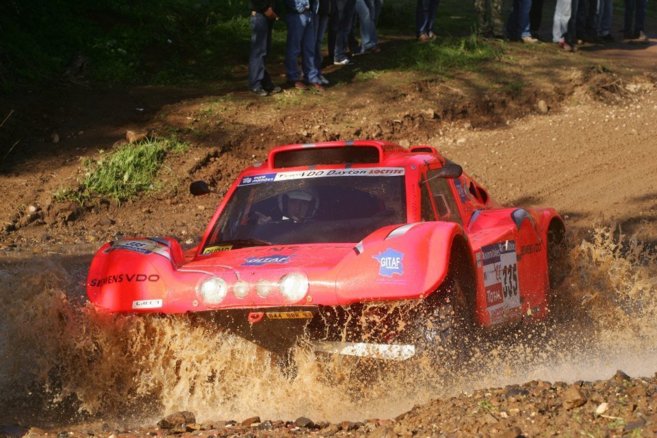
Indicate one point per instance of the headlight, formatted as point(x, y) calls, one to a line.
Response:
point(264, 288)
point(212, 291)
point(294, 286)
point(241, 289)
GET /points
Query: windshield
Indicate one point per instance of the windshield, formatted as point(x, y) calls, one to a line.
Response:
point(315, 206)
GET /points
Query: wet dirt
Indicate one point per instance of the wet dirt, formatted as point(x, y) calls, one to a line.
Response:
point(579, 136)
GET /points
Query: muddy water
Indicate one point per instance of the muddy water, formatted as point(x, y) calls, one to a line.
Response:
point(62, 363)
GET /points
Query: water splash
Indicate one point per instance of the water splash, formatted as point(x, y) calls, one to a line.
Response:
point(63, 362)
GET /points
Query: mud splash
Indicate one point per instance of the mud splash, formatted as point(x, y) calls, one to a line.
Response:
point(63, 363)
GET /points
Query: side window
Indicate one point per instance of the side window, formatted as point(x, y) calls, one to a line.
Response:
point(443, 198)
point(427, 209)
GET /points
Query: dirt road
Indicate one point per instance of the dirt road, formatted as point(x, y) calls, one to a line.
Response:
point(593, 159)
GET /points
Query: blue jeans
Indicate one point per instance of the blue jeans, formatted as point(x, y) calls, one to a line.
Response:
point(261, 28)
point(635, 10)
point(301, 40)
point(517, 25)
point(365, 11)
point(425, 16)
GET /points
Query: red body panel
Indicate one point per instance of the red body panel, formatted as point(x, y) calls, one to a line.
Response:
point(406, 261)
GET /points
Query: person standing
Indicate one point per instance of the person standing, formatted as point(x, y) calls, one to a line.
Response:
point(323, 15)
point(262, 21)
point(340, 24)
point(490, 23)
point(635, 17)
point(517, 26)
point(367, 23)
point(604, 23)
point(301, 19)
point(535, 17)
point(425, 17)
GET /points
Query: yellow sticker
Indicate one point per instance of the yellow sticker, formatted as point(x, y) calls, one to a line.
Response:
point(290, 315)
point(213, 249)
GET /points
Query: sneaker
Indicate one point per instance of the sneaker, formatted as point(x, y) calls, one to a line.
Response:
point(529, 39)
point(345, 61)
point(274, 89)
point(260, 92)
point(299, 85)
point(432, 36)
point(423, 38)
point(642, 38)
point(323, 80)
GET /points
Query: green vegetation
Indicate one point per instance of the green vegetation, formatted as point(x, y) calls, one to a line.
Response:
point(124, 173)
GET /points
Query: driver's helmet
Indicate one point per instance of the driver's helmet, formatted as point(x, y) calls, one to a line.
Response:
point(298, 205)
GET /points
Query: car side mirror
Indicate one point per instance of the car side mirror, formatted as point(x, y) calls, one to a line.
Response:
point(198, 188)
point(449, 170)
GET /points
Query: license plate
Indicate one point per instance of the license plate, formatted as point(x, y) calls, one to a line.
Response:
point(290, 315)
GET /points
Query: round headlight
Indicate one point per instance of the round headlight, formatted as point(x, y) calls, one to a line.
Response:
point(212, 291)
point(264, 288)
point(294, 286)
point(241, 289)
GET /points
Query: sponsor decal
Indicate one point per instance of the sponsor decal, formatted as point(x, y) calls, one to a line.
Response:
point(390, 263)
point(124, 278)
point(218, 248)
point(500, 272)
point(257, 179)
point(461, 190)
point(275, 259)
point(146, 246)
point(376, 171)
point(529, 249)
point(290, 315)
point(147, 304)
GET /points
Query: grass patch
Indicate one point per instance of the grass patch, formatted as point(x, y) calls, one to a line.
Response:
point(124, 173)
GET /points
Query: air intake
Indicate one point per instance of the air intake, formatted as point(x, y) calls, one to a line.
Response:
point(315, 156)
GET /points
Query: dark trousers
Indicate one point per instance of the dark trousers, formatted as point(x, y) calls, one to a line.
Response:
point(635, 12)
point(571, 31)
point(261, 28)
point(518, 22)
point(535, 16)
point(587, 20)
point(340, 24)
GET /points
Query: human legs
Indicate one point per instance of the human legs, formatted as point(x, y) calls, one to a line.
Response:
point(425, 16)
point(535, 16)
point(295, 30)
point(606, 13)
point(261, 28)
point(560, 21)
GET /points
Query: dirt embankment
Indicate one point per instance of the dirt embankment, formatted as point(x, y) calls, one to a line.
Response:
point(579, 136)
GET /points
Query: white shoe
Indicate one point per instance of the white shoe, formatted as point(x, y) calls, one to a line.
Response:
point(323, 80)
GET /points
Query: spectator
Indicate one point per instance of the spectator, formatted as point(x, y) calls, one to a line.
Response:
point(535, 17)
point(569, 40)
point(560, 21)
point(587, 21)
point(517, 26)
point(604, 23)
point(301, 20)
point(489, 18)
point(425, 17)
point(262, 23)
point(367, 23)
point(635, 13)
point(323, 16)
point(340, 24)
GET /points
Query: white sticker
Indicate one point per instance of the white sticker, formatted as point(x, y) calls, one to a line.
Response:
point(147, 304)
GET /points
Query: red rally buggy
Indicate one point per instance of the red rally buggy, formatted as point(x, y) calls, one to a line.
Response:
point(361, 247)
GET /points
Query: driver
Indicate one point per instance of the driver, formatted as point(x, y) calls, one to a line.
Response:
point(298, 205)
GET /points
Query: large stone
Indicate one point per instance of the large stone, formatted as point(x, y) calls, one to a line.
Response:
point(177, 420)
point(573, 398)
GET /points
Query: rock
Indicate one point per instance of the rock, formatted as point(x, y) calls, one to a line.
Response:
point(633, 425)
point(54, 137)
point(177, 420)
point(620, 377)
point(192, 427)
point(573, 398)
point(250, 421)
point(133, 137)
point(542, 107)
point(602, 408)
point(304, 422)
point(514, 432)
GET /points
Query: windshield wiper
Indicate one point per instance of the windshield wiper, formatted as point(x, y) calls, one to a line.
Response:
point(244, 243)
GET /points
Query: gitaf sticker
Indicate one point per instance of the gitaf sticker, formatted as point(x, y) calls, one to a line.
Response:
point(257, 179)
point(269, 260)
point(219, 248)
point(500, 268)
point(390, 263)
